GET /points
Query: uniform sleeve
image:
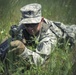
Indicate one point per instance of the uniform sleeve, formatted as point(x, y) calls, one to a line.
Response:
point(43, 50)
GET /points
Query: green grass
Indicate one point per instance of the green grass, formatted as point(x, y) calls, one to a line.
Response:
point(61, 60)
point(60, 63)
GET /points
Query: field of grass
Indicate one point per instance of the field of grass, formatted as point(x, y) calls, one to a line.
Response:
point(61, 60)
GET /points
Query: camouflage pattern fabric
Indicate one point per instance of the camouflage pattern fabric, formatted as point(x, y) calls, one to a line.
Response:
point(48, 37)
point(47, 41)
point(31, 13)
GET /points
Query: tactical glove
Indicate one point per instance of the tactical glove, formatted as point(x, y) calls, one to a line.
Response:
point(17, 46)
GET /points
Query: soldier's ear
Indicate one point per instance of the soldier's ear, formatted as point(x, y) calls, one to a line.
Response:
point(42, 19)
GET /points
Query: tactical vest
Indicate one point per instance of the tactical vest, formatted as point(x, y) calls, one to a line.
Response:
point(62, 31)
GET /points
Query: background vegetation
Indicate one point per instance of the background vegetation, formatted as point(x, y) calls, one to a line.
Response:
point(62, 61)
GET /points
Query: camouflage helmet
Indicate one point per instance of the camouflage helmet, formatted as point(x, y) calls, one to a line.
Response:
point(31, 13)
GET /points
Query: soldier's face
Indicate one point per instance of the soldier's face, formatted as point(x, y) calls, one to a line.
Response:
point(33, 28)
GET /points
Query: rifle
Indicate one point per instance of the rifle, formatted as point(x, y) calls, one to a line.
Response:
point(15, 33)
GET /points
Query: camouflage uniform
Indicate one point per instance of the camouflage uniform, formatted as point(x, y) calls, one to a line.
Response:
point(47, 37)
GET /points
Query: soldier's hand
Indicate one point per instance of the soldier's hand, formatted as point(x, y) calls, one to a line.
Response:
point(17, 46)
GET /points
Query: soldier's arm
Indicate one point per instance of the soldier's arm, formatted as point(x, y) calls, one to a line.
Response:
point(43, 50)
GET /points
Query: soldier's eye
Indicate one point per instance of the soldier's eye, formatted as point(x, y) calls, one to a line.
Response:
point(31, 25)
